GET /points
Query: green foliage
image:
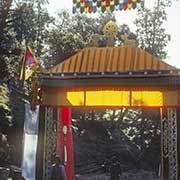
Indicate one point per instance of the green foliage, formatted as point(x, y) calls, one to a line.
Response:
point(68, 35)
point(151, 34)
point(21, 23)
point(5, 110)
point(5, 27)
point(71, 33)
point(62, 45)
point(24, 23)
point(6, 36)
point(31, 24)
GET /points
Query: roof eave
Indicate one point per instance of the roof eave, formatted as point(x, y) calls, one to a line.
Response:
point(140, 78)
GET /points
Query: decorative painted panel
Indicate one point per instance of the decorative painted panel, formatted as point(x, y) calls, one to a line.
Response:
point(50, 141)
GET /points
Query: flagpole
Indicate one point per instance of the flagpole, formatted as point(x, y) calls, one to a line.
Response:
point(30, 68)
point(34, 87)
point(22, 73)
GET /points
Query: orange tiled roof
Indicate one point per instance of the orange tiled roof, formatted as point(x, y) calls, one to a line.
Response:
point(111, 59)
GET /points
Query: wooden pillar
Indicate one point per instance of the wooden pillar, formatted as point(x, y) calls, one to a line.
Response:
point(65, 141)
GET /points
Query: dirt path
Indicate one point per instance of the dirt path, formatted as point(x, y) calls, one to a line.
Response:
point(129, 175)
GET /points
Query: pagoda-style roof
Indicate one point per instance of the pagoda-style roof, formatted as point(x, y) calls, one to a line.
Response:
point(111, 66)
point(111, 59)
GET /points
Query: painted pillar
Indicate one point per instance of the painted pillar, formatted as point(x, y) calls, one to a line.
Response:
point(164, 146)
point(169, 144)
point(65, 141)
point(178, 140)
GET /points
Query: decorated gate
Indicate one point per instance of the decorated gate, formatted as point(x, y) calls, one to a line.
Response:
point(110, 78)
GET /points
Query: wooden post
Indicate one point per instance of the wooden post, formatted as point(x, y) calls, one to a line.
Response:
point(34, 86)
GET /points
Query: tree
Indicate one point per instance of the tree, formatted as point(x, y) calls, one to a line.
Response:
point(5, 110)
point(24, 23)
point(31, 24)
point(68, 35)
point(151, 34)
point(7, 35)
point(62, 45)
point(71, 33)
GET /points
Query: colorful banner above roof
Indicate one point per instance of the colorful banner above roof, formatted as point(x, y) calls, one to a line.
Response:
point(89, 6)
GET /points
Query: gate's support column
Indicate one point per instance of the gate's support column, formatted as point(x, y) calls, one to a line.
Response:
point(169, 142)
point(49, 140)
point(178, 140)
point(164, 146)
point(65, 141)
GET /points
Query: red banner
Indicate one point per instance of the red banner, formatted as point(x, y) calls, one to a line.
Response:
point(65, 141)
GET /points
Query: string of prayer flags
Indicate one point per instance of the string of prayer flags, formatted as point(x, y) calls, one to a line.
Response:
point(92, 6)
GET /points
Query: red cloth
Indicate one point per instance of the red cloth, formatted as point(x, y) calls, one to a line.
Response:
point(29, 58)
point(66, 141)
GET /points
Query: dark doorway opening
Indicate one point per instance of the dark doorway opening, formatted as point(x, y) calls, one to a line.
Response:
point(133, 136)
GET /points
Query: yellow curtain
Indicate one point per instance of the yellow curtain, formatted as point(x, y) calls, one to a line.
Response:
point(111, 97)
point(147, 98)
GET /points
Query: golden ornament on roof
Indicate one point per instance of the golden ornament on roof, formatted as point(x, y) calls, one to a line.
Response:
point(110, 29)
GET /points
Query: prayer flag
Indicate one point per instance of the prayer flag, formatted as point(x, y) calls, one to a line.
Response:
point(88, 6)
point(30, 65)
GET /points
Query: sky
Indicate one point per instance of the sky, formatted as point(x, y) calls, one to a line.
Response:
point(127, 17)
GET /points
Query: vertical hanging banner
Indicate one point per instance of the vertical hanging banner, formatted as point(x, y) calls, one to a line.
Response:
point(89, 6)
point(66, 141)
point(31, 123)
